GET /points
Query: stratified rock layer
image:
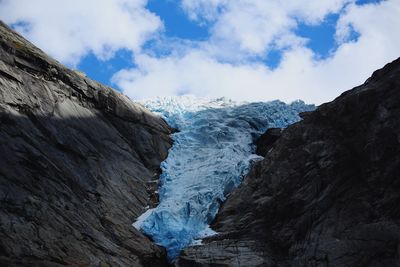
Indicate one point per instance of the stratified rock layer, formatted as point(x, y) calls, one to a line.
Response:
point(327, 192)
point(77, 161)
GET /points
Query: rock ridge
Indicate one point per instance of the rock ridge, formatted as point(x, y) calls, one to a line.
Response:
point(326, 193)
point(78, 164)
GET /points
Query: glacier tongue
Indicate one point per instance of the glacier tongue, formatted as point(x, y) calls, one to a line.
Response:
point(212, 151)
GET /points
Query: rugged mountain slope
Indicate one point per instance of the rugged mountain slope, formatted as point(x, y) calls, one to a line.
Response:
point(327, 192)
point(77, 160)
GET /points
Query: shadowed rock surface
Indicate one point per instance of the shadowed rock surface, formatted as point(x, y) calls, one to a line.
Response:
point(78, 163)
point(326, 194)
point(266, 140)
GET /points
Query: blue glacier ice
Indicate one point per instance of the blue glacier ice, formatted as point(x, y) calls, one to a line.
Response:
point(212, 152)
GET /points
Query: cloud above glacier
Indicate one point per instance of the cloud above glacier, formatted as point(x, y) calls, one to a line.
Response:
point(233, 60)
point(70, 29)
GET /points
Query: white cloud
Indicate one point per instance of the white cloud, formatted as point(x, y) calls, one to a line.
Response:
point(257, 26)
point(197, 73)
point(68, 30)
point(207, 10)
point(300, 75)
point(230, 62)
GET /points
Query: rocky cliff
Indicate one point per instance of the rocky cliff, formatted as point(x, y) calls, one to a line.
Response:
point(78, 162)
point(327, 192)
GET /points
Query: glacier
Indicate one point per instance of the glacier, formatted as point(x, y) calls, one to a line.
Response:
point(212, 151)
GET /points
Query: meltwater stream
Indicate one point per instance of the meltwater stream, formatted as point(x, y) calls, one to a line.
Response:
point(212, 151)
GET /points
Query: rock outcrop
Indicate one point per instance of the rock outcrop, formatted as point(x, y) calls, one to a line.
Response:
point(266, 140)
point(77, 163)
point(326, 194)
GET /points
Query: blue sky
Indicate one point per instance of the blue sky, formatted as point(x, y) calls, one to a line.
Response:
point(178, 25)
point(245, 49)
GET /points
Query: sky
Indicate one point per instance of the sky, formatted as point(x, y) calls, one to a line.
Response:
point(246, 50)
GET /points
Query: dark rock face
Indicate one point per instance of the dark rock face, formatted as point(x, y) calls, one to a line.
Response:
point(266, 140)
point(326, 194)
point(77, 160)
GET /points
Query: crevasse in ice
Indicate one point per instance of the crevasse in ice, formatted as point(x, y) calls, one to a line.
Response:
point(212, 151)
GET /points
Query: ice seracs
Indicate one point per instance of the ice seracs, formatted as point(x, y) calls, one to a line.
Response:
point(212, 151)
